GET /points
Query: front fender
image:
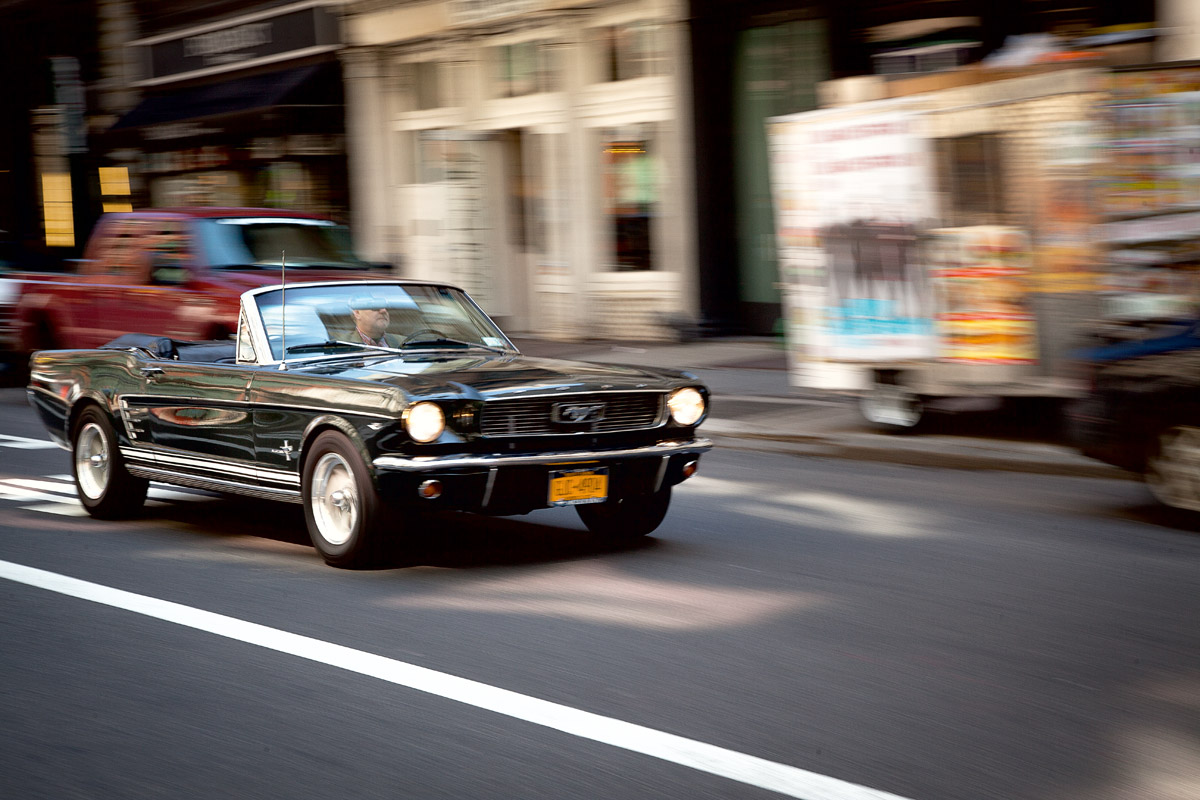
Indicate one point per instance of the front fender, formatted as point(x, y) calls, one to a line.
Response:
point(326, 422)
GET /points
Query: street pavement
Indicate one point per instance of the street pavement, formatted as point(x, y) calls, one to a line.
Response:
point(754, 406)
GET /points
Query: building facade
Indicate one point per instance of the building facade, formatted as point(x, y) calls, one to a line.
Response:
point(239, 106)
point(536, 152)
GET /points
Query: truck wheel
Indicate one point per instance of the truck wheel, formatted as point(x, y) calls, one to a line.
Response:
point(103, 484)
point(343, 510)
point(624, 519)
point(1173, 467)
point(892, 408)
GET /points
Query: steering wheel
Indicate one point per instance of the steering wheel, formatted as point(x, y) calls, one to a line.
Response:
point(418, 332)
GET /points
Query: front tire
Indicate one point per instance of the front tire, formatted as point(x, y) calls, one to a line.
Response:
point(627, 518)
point(103, 484)
point(343, 510)
point(1173, 468)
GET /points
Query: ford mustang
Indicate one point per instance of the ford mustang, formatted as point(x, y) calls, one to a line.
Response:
point(369, 402)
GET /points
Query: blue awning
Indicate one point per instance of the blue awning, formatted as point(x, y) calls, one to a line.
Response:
point(308, 86)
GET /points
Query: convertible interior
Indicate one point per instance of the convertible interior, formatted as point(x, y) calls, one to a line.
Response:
point(220, 351)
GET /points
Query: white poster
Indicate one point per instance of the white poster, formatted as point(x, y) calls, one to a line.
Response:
point(853, 190)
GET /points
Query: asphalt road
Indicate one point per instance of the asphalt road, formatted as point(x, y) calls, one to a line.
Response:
point(923, 632)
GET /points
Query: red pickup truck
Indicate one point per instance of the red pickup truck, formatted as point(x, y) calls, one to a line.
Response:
point(176, 273)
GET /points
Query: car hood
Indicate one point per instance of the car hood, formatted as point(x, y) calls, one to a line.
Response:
point(481, 376)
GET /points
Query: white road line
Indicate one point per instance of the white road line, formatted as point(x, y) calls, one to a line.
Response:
point(747, 769)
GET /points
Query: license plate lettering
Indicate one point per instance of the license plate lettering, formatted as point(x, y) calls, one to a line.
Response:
point(569, 488)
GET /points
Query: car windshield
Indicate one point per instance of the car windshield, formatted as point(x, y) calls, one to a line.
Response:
point(320, 320)
point(241, 242)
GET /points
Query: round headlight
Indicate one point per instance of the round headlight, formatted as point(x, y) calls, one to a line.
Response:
point(425, 422)
point(687, 406)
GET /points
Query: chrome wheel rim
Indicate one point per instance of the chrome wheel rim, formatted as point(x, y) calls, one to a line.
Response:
point(334, 499)
point(92, 461)
point(1173, 473)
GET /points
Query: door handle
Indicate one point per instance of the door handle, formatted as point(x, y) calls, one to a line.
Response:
point(152, 373)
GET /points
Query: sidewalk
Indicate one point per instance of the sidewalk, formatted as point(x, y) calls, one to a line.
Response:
point(754, 407)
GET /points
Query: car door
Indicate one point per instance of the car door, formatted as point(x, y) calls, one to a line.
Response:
point(196, 419)
point(284, 403)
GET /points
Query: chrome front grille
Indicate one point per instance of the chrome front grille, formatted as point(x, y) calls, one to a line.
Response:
point(534, 416)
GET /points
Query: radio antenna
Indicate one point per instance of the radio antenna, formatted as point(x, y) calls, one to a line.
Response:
point(283, 304)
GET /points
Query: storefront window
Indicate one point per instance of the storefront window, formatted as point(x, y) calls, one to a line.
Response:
point(525, 68)
point(634, 50)
point(287, 185)
point(630, 174)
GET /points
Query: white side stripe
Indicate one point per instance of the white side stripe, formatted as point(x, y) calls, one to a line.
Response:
point(730, 764)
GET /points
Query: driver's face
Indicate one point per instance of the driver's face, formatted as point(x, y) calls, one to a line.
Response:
point(372, 321)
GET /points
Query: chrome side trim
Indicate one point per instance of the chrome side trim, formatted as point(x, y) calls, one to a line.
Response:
point(240, 470)
point(137, 454)
point(424, 463)
point(154, 400)
point(214, 485)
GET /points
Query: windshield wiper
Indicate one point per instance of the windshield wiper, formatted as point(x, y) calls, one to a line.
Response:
point(300, 348)
point(442, 341)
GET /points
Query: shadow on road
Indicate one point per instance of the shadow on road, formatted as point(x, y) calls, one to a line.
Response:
point(445, 539)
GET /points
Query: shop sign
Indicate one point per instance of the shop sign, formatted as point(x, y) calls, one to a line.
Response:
point(314, 144)
point(178, 130)
point(256, 39)
point(473, 12)
point(196, 158)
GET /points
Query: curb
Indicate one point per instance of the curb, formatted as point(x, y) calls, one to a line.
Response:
point(941, 452)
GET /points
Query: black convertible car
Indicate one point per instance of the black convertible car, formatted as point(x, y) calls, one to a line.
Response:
point(431, 406)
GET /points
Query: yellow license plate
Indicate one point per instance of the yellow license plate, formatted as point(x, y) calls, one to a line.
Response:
point(575, 487)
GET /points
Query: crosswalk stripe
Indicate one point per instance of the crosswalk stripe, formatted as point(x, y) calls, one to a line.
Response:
point(49, 486)
point(23, 443)
point(62, 509)
point(55, 494)
point(29, 495)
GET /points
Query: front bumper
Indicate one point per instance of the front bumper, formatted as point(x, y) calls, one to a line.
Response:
point(517, 483)
point(489, 460)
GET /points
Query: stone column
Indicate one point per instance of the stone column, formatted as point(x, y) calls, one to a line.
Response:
point(1180, 21)
point(372, 218)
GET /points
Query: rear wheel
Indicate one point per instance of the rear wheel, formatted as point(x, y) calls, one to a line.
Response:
point(344, 512)
point(626, 518)
point(103, 484)
point(1173, 468)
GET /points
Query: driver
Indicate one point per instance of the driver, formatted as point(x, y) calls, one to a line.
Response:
point(371, 320)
